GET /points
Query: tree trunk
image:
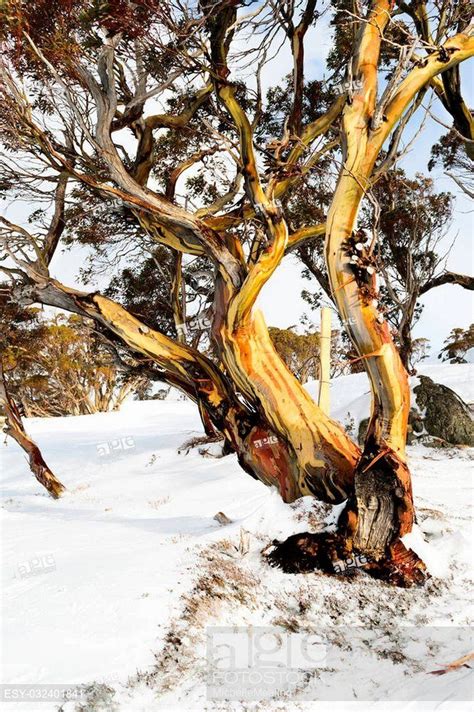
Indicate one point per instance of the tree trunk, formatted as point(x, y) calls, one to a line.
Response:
point(383, 506)
point(320, 458)
point(381, 509)
point(404, 332)
point(406, 348)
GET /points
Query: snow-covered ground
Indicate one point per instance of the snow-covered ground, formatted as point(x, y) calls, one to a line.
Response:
point(117, 584)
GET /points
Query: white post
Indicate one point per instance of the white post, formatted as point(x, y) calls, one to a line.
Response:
point(325, 360)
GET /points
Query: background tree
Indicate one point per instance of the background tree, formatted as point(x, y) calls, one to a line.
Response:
point(62, 367)
point(300, 352)
point(450, 154)
point(457, 345)
point(412, 253)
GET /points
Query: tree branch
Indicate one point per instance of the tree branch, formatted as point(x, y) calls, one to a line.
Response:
point(187, 368)
point(462, 280)
point(16, 430)
point(455, 50)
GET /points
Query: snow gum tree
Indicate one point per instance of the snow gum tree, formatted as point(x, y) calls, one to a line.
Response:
point(137, 125)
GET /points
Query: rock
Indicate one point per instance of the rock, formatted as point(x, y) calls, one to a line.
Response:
point(222, 518)
point(447, 419)
point(415, 426)
point(416, 421)
point(446, 416)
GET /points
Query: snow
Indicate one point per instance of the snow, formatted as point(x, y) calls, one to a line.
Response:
point(351, 394)
point(131, 569)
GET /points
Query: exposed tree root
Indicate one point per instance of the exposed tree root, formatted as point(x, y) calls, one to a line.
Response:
point(328, 552)
point(381, 509)
point(200, 440)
